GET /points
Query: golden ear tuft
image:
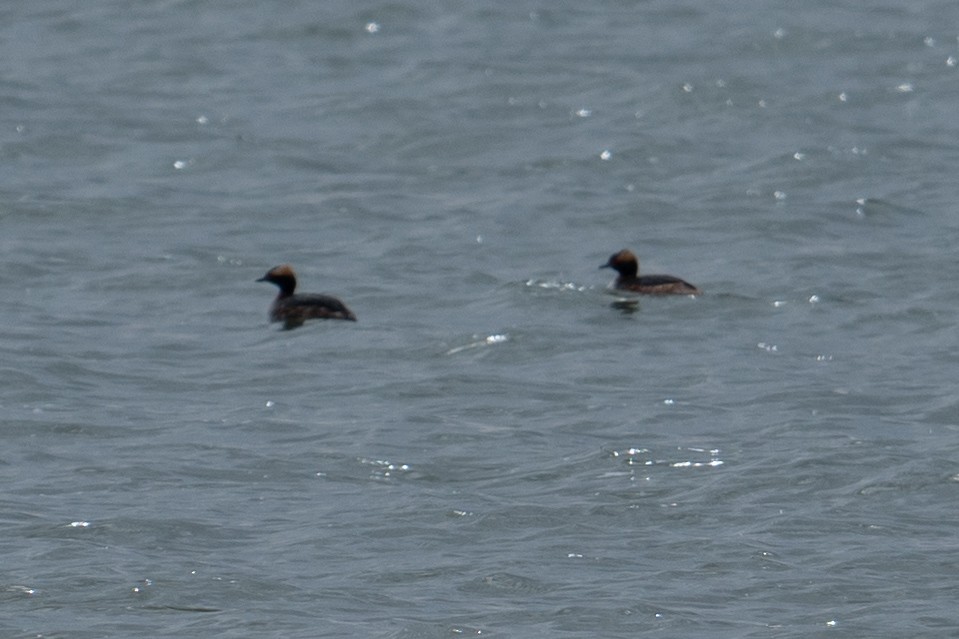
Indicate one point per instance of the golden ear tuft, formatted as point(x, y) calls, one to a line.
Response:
point(283, 270)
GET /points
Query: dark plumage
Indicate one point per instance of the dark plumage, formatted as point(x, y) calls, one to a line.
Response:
point(626, 264)
point(292, 309)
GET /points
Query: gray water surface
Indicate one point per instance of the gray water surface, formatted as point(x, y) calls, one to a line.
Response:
point(497, 447)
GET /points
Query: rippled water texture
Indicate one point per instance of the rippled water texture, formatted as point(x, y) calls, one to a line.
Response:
point(500, 446)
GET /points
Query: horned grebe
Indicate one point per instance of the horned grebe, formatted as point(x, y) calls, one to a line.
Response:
point(292, 309)
point(626, 264)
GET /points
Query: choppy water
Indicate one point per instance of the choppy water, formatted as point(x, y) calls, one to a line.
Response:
point(496, 448)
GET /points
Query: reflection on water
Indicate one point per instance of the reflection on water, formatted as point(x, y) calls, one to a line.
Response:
point(626, 306)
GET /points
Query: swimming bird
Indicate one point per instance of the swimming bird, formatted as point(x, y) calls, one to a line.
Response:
point(629, 279)
point(293, 309)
